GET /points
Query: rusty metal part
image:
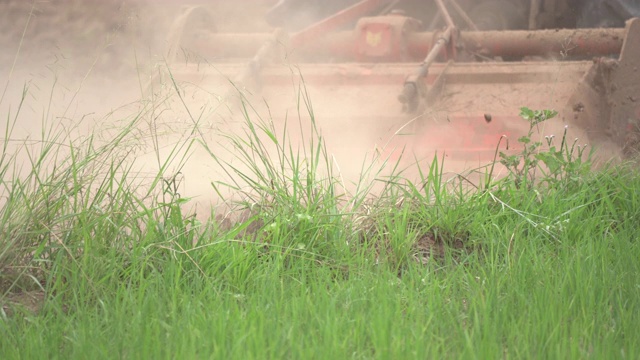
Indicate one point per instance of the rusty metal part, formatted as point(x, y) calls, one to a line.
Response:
point(383, 37)
point(460, 94)
point(602, 97)
point(573, 42)
point(360, 71)
point(341, 45)
point(445, 13)
point(337, 20)
point(411, 90)
point(620, 81)
point(392, 74)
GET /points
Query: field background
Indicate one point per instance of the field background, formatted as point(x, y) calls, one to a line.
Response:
point(99, 260)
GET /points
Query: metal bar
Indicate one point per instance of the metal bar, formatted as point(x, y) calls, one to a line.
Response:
point(335, 21)
point(578, 42)
point(544, 72)
point(435, 50)
point(445, 13)
point(411, 90)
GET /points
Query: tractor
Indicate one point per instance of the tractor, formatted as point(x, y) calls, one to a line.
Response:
point(457, 71)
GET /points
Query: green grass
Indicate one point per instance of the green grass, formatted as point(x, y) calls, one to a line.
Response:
point(424, 269)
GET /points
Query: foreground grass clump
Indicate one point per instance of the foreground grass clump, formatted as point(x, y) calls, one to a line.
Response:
point(423, 270)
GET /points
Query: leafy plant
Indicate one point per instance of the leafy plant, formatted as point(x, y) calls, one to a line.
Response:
point(557, 164)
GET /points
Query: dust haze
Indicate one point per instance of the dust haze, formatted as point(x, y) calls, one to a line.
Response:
point(84, 67)
point(87, 67)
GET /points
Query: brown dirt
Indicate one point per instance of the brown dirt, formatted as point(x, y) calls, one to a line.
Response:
point(28, 301)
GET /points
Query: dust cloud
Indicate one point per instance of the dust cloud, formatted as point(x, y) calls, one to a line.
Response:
point(84, 66)
point(80, 67)
point(88, 65)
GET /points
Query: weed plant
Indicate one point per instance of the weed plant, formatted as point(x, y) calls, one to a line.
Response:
point(558, 164)
point(519, 268)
